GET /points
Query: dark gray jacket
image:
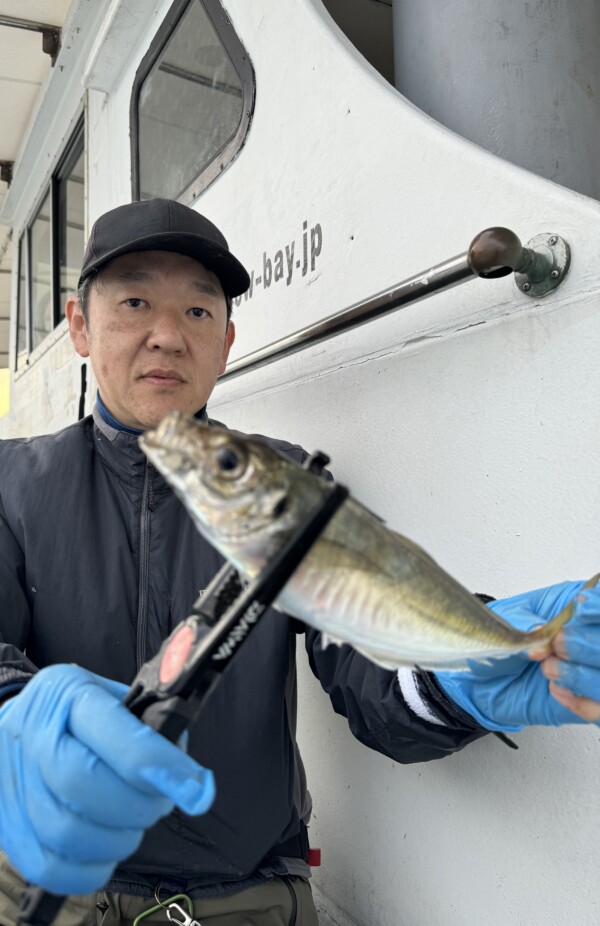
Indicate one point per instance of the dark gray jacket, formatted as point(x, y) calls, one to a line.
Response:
point(98, 563)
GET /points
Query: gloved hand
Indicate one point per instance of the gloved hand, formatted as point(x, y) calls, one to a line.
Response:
point(81, 778)
point(514, 692)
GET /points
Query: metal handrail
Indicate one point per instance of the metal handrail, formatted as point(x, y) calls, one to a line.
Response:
point(51, 35)
point(493, 253)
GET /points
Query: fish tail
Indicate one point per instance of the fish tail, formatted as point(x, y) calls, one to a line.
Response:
point(543, 635)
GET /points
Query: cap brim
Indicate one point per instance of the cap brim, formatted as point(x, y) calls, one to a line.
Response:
point(231, 273)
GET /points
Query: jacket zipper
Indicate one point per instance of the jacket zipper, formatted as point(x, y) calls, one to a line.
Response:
point(144, 571)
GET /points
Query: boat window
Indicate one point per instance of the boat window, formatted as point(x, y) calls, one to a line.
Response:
point(22, 300)
point(51, 250)
point(71, 231)
point(40, 268)
point(191, 104)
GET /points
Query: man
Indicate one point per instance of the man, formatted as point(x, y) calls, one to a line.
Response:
point(98, 563)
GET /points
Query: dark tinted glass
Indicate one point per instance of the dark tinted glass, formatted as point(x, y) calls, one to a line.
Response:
point(40, 262)
point(22, 307)
point(71, 228)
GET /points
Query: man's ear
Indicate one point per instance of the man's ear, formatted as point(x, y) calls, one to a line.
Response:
point(229, 339)
point(77, 327)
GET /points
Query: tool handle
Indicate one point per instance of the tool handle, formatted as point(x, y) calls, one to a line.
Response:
point(170, 717)
point(38, 907)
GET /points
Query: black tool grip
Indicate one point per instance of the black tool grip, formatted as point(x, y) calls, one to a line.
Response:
point(170, 717)
point(38, 907)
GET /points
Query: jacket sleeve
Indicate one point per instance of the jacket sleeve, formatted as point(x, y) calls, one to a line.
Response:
point(378, 715)
point(15, 614)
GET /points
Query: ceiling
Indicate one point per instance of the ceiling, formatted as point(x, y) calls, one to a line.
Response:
point(24, 67)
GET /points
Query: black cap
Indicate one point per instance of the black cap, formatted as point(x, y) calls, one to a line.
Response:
point(163, 225)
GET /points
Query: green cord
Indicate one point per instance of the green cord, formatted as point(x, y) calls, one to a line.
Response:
point(166, 903)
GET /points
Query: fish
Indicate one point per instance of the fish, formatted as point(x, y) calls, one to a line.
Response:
point(360, 583)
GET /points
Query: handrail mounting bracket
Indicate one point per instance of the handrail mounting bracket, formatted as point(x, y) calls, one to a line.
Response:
point(548, 269)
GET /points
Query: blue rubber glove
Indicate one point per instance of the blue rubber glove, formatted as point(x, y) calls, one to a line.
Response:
point(512, 693)
point(81, 779)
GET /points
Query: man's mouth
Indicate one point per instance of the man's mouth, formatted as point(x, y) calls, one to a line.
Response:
point(163, 377)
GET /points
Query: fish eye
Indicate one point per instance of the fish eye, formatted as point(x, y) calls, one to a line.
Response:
point(228, 459)
point(280, 507)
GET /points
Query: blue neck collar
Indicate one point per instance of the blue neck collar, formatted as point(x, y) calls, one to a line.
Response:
point(119, 426)
point(113, 422)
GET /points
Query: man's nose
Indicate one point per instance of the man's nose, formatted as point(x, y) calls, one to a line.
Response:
point(166, 334)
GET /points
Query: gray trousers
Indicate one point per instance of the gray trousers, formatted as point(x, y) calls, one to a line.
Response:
point(280, 902)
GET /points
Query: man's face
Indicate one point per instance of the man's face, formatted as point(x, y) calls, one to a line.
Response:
point(157, 335)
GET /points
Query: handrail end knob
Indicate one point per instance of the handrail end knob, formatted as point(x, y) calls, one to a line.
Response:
point(495, 252)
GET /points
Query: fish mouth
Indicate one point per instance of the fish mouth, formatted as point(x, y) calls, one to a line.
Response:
point(226, 507)
point(172, 433)
point(170, 456)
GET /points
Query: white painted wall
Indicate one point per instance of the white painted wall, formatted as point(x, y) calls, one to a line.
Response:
point(469, 421)
point(481, 453)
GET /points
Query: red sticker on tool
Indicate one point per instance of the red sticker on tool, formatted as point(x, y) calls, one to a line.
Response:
point(176, 654)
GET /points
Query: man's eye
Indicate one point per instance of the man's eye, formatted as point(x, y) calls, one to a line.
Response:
point(198, 313)
point(134, 303)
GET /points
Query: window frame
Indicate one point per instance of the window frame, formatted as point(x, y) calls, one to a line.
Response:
point(240, 59)
point(71, 154)
point(25, 284)
point(61, 171)
point(47, 194)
